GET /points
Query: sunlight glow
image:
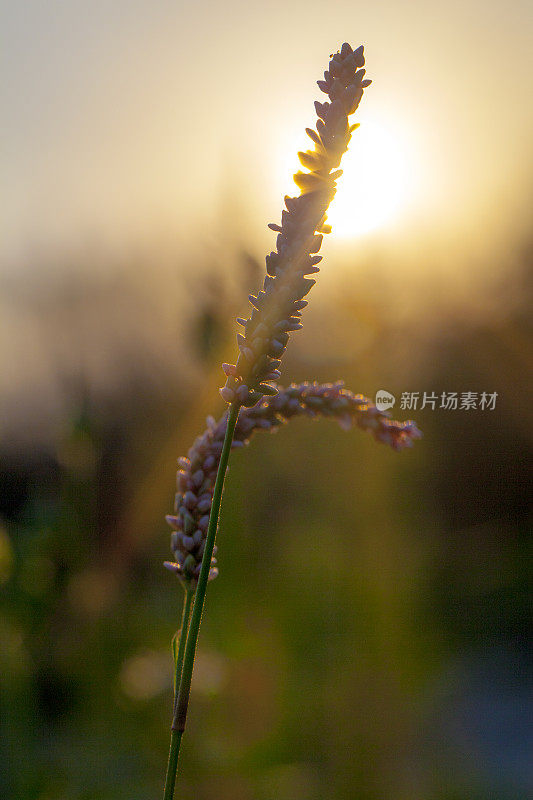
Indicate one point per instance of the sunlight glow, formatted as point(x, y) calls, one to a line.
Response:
point(376, 183)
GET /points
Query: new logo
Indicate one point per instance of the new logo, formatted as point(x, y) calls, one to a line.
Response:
point(384, 400)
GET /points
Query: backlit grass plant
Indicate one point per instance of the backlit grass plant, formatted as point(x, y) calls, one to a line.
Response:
point(255, 400)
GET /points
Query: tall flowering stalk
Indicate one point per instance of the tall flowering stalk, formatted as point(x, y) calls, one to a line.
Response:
point(277, 310)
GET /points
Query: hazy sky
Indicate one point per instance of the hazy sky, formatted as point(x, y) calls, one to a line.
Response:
point(129, 120)
point(134, 125)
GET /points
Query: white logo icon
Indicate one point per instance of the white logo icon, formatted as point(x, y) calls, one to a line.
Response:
point(384, 400)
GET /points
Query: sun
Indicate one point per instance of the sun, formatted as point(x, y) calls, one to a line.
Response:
point(375, 184)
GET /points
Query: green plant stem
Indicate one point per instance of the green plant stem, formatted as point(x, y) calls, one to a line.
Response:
point(182, 702)
point(174, 743)
point(172, 768)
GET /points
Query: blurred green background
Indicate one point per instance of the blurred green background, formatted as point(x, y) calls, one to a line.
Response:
point(369, 635)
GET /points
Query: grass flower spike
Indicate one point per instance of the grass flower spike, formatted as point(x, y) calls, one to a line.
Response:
point(278, 306)
point(197, 473)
